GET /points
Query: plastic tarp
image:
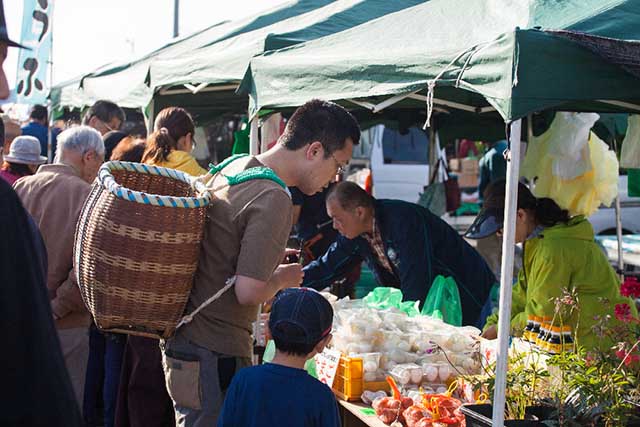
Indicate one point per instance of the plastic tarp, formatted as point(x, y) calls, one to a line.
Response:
point(126, 83)
point(500, 52)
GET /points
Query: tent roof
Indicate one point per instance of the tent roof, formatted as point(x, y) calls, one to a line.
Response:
point(125, 82)
point(498, 51)
point(226, 61)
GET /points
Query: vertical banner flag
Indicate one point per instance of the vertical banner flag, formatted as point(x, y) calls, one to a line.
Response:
point(32, 64)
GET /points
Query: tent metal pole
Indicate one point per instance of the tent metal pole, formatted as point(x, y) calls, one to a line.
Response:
point(219, 88)
point(433, 156)
point(456, 105)
point(176, 18)
point(618, 212)
point(618, 223)
point(367, 105)
point(254, 143)
point(627, 105)
point(506, 279)
point(390, 101)
point(619, 235)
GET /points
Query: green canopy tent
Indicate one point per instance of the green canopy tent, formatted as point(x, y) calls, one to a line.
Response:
point(205, 80)
point(499, 53)
point(511, 56)
point(126, 83)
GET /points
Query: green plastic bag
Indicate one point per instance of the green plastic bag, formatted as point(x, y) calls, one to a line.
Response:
point(270, 352)
point(385, 298)
point(443, 301)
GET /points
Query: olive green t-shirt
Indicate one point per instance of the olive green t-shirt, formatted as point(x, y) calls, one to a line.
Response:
point(246, 233)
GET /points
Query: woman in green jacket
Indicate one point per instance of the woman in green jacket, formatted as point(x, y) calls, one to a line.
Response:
point(565, 275)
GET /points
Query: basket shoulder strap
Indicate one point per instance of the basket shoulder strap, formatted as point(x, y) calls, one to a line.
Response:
point(189, 317)
point(258, 172)
point(213, 169)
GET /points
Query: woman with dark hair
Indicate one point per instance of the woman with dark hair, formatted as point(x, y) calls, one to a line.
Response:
point(111, 140)
point(172, 141)
point(130, 149)
point(561, 261)
point(143, 399)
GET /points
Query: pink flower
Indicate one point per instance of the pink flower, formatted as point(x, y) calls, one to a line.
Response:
point(630, 288)
point(633, 358)
point(623, 312)
point(628, 358)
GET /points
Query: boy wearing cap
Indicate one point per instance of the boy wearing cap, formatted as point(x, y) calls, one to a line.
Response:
point(282, 392)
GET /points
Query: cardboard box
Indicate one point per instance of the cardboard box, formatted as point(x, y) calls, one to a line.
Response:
point(454, 165)
point(469, 165)
point(466, 180)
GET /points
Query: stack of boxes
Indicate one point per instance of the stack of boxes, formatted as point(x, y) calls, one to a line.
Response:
point(466, 170)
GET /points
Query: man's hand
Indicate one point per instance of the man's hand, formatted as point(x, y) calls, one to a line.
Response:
point(288, 276)
point(291, 256)
point(250, 291)
point(491, 333)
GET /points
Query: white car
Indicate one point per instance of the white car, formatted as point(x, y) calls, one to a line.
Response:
point(604, 219)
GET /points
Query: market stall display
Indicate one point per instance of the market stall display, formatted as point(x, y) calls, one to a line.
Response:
point(416, 350)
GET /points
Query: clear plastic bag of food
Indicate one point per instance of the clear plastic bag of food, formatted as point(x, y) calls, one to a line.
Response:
point(407, 373)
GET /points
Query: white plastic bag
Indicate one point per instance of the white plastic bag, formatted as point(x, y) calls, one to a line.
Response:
point(630, 154)
point(568, 144)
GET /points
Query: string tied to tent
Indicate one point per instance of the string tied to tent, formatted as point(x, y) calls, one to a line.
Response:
point(431, 84)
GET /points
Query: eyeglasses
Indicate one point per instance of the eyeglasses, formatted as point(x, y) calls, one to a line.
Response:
point(340, 168)
point(105, 124)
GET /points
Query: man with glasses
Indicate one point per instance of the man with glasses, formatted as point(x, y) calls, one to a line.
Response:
point(245, 238)
point(405, 246)
point(104, 116)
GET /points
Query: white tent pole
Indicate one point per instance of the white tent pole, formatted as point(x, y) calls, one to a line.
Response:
point(508, 242)
point(254, 143)
point(619, 234)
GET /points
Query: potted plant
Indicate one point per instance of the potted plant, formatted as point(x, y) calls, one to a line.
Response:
point(526, 382)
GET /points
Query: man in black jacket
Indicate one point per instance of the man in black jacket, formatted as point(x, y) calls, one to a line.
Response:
point(405, 245)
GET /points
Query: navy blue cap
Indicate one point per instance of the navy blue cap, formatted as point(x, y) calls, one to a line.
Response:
point(489, 221)
point(304, 308)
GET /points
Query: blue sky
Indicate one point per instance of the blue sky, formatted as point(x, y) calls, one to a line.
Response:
point(90, 33)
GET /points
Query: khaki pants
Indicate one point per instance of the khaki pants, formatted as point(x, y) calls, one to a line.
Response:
point(75, 350)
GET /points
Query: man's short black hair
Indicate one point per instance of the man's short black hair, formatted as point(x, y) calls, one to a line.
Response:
point(38, 112)
point(322, 121)
point(105, 111)
point(350, 196)
point(292, 348)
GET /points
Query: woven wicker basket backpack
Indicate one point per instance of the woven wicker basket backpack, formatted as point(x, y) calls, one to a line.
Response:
point(137, 245)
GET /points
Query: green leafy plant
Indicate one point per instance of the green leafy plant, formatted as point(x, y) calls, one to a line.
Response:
point(600, 387)
point(526, 383)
